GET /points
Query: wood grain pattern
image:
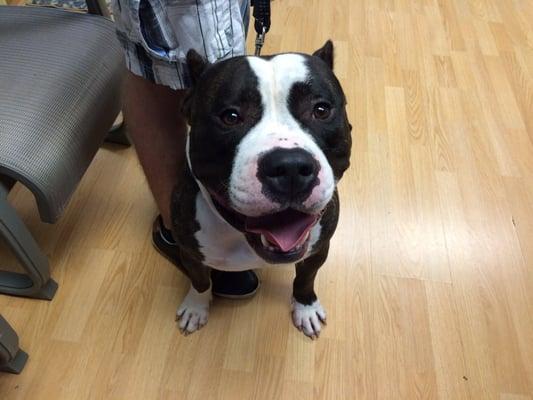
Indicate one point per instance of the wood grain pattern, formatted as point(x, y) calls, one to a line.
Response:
point(429, 286)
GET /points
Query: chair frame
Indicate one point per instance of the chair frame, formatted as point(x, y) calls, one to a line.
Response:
point(36, 282)
point(12, 356)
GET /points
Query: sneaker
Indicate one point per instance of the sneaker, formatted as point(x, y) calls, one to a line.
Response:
point(231, 285)
point(234, 285)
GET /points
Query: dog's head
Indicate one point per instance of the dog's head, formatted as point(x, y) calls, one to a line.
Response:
point(269, 140)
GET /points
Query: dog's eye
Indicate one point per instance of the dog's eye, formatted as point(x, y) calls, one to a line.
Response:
point(230, 117)
point(322, 111)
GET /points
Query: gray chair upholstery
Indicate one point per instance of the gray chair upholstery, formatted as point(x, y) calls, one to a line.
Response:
point(60, 78)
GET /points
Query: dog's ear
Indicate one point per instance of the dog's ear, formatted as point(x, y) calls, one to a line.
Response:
point(325, 53)
point(196, 64)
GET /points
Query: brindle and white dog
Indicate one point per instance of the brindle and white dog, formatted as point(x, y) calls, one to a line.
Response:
point(269, 139)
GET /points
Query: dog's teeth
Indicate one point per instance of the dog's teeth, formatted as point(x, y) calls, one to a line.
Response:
point(267, 244)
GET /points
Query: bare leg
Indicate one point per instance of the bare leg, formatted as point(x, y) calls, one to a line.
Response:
point(158, 131)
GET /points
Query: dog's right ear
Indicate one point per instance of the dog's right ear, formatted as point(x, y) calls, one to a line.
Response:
point(196, 64)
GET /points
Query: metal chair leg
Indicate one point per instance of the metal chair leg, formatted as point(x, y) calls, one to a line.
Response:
point(12, 358)
point(36, 282)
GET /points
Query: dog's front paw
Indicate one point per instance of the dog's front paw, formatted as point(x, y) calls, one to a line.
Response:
point(193, 312)
point(308, 318)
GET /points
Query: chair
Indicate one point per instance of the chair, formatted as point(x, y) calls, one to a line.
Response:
point(60, 78)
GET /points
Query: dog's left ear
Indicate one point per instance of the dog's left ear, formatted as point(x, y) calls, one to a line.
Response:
point(326, 53)
point(196, 64)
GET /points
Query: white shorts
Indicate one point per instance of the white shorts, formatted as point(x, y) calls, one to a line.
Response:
point(157, 34)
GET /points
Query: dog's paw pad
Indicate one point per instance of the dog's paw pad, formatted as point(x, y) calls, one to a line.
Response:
point(308, 318)
point(193, 312)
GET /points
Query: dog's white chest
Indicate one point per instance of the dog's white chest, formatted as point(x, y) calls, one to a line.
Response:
point(223, 247)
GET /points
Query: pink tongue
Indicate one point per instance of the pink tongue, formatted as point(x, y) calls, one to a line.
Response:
point(287, 229)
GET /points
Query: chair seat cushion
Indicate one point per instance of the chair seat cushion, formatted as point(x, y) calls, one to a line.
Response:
point(60, 76)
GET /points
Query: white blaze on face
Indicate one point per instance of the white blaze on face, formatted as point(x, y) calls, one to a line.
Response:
point(277, 128)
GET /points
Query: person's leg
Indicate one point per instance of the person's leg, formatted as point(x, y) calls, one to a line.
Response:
point(152, 105)
point(158, 130)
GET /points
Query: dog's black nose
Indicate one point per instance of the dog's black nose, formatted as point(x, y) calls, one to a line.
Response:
point(288, 174)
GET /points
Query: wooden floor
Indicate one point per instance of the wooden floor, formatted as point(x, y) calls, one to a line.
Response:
point(429, 286)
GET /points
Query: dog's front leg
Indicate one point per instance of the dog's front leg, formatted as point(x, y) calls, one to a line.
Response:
point(193, 311)
point(307, 312)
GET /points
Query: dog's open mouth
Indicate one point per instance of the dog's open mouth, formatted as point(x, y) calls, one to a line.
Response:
point(281, 237)
point(285, 231)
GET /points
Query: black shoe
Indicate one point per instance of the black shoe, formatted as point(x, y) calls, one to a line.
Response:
point(163, 241)
point(234, 285)
point(231, 285)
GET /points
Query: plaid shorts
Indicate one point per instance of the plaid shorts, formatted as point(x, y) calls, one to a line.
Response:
point(156, 34)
